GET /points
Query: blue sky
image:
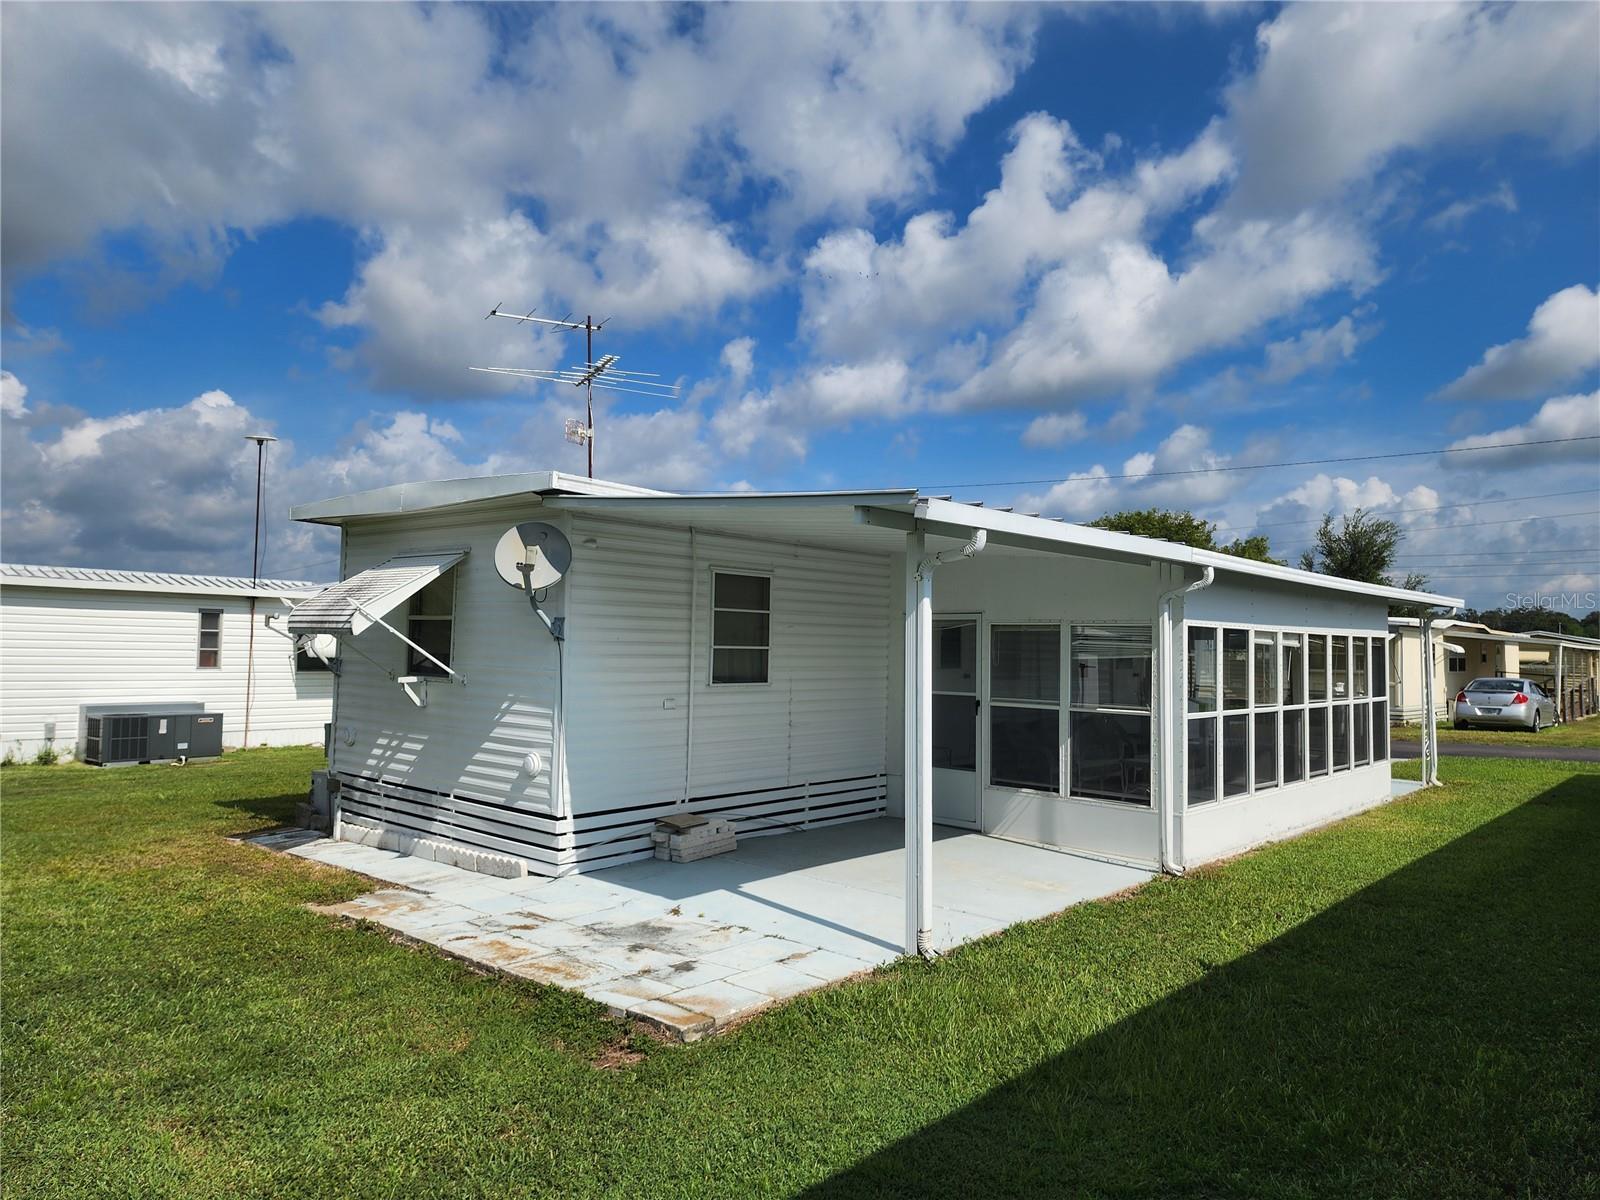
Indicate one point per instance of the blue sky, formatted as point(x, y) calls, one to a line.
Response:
point(955, 248)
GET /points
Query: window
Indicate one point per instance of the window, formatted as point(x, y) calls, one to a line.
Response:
point(1201, 682)
point(1236, 755)
point(1294, 744)
point(1341, 737)
point(429, 623)
point(1317, 739)
point(1380, 668)
point(210, 638)
point(1341, 668)
point(1025, 706)
point(1380, 731)
point(1359, 714)
point(1294, 677)
point(1358, 658)
point(1457, 663)
point(1111, 678)
point(741, 628)
point(1265, 675)
point(1236, 668)
point(1317, 666)
point(304, 661)
point(955, 695)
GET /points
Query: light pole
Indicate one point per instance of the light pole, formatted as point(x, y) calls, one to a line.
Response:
point(261, 440)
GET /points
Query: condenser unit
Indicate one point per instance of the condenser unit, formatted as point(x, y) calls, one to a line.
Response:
point(116, 738)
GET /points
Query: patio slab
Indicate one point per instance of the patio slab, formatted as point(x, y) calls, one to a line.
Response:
point(693, 947)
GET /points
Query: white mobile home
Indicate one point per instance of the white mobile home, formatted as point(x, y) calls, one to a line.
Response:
point(74, 637)
point(1567, 666)
point(751, 655)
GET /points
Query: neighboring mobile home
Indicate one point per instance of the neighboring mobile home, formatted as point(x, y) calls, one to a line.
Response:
point(1564, 665)
point(74, 637)
point(750, 655)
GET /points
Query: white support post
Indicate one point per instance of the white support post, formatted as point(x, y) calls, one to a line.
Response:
point(924, 632)
point(1430, 715)
point(1561, 695)
point(910, 788)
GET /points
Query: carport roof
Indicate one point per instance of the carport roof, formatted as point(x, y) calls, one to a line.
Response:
point(863, 521)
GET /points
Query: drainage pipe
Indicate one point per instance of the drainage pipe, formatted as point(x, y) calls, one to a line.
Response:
point(1169, 855)
point(919, 800)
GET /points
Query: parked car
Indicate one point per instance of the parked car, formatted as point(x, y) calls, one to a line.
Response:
point(1504, 703)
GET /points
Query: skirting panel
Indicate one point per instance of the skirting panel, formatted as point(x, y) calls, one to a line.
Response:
point(552, 846)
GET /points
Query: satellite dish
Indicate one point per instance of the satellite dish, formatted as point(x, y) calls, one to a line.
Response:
point(321, 645)
point(539, 547)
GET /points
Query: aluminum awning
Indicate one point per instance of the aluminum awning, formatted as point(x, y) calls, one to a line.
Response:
point(355, 604)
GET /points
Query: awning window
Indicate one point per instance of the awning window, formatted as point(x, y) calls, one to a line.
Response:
point(355, 604)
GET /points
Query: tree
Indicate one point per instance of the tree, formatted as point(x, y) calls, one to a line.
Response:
point(1362, 548)
point(1184, 528)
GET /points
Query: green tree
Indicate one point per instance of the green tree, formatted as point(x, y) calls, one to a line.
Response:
point(1361, 547)
point(1184, 528)
point(1167, 525)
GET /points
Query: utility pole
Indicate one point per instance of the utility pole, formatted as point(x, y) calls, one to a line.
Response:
point(261, 440)
point(599, 373)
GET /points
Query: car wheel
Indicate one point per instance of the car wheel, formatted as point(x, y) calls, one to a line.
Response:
point(1461, 724)
point(1538, 721)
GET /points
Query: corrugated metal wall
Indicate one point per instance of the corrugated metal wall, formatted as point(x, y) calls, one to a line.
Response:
point(804, 749)
point(61, 648)
point(454, 770)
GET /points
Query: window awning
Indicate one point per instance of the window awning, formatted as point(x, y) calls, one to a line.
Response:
point(1453, 648)
point(355, 604)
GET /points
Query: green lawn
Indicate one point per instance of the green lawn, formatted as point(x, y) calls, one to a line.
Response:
point(1405, 1004)
point(1575, 733)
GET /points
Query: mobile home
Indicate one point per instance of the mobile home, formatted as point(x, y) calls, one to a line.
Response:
point(797, 660)
point(77, 638)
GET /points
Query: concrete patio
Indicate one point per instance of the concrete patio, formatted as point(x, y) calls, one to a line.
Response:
point(692, 947)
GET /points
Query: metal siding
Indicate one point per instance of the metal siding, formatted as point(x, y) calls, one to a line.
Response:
point(62, 648)
point(635, 612)
point(471, 738)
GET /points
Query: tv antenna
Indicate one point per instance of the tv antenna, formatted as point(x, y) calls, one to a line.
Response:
point(601, 373)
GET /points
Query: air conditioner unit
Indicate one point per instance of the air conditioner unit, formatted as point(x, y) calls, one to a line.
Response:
point(118, 738)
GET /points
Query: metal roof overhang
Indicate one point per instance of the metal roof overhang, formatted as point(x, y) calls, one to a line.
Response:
point(877, 522)
point(356, 604)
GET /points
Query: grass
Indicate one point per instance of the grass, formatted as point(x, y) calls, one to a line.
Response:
point(1401, 1005)
point(1574, 733)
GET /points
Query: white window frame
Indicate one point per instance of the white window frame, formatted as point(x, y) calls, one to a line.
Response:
point(200, 646)
point(1068, 708)
point(990, 704)
point(1372, 643)
point(711, 623)
point(425, 668)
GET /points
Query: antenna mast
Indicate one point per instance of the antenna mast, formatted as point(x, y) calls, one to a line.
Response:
point(599, 373)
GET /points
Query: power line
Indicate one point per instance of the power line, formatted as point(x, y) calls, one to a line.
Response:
point(1582, 512)
point(1303, 462)
point(1420, 508)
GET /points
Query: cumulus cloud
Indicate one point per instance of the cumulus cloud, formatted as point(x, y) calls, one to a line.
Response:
point(1340, 90)
point(1562, 344)
point(1315, 349)
point(13, 395)
point(173, 488)
point(1562, 417)
point(1054, 429)
point(779, 421)
point(1180, 472)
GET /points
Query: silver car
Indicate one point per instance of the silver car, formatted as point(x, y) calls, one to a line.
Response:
point(1504, 703)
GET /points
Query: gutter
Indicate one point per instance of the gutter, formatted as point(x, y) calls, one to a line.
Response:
point(1168, 855)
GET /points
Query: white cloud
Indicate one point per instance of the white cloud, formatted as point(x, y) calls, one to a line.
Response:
point(738, 359)
point(1054, 429)
point(1314, 349)
point(13, 395)
point(1456, 214)
point(1339, 90)
point(1562, 417)
point(1179, 473)
point(1082, 496)
point(1563, 342)
point(778, 422)
point(173, 488)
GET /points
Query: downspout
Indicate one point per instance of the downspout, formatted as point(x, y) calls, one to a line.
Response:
point(919, 808)
point(1171, 861)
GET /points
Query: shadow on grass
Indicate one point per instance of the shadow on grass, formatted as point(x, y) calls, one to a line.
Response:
point(1435, 1034)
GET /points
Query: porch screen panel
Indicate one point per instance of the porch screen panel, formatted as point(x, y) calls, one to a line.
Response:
point(1201, 684)
point(1025, 706)
point(1109, 747)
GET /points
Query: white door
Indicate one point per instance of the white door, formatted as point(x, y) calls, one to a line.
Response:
point(955, 721)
